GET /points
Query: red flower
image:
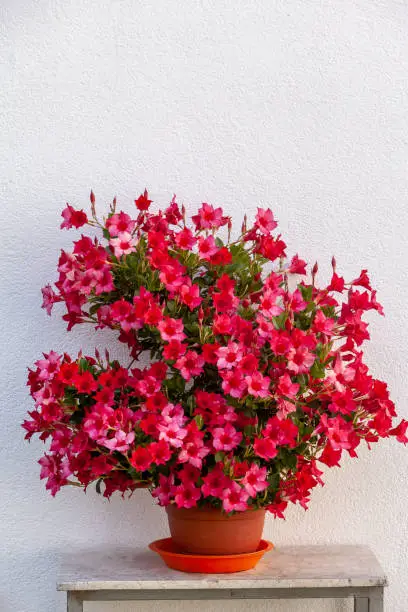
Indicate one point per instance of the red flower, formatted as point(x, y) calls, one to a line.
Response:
point(143, 201)
point(73, 218)
point(85, 383)
point(222, 257)
point(297, 266)
point(141, 459)
point(254, 375)
point(160, 452)
point(271, 248)
point(265, 448)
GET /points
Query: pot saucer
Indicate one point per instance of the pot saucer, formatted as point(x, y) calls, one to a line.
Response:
point(207, 564)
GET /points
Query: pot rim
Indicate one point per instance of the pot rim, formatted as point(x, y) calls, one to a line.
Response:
point(213, 514)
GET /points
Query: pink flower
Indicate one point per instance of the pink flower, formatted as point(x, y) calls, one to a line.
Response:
point(341, 375)
point(120, 223)
point(297, 303)
point(265, 448)
point(226, 438)
point(193, 453)
point(187, 496)
point(172, 433)
point(173, 413)
point(269, 305)
point(265, 328)
point(258, 385)
point(164, 491)
point(286, 387)
point(49, 298)
point(120, 441)
point(171, 329)
point(191, 364)
point(148, 385)
point(207, 247)
point(190, 296)
point(96, 423)
point(234, 498)
point(185, 239)
point(300, 360)
point(339, 432)
point(48, 366)
point(172, 276)
point(264, 221)
point(323, 324)
point(284, 408)
point(214, 483)
point(234, 383)
point(56, 470)
point(123, 244)
point(209, 217)
point(73, 218)
point(254, 480)
point(228, 355)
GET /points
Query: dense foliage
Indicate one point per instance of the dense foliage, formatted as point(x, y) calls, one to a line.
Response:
point(255, 375)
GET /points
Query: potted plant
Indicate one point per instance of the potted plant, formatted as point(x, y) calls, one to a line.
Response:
point(254, 378)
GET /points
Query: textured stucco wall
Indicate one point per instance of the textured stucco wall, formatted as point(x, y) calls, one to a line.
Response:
point(300, 104)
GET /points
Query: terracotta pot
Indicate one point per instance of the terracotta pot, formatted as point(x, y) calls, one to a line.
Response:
point(208, 531)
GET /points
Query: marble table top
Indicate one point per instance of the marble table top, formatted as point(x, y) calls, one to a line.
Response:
point(282, 568)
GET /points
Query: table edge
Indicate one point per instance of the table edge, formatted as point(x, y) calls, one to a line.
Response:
point(220, 583)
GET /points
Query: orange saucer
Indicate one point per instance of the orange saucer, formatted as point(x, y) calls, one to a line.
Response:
point(207, 564)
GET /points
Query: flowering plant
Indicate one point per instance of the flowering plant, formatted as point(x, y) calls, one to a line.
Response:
point(256, 374)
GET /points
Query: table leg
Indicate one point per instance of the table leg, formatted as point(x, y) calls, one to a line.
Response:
point(377, 602)
point(373, 603)
point(75, 602)
point(361, 604)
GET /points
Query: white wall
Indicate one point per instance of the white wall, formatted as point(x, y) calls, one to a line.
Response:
point(300, 104)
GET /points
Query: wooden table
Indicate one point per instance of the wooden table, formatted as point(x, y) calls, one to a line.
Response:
point(292, 572)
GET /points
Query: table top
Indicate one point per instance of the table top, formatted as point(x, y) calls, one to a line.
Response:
point(282, 568)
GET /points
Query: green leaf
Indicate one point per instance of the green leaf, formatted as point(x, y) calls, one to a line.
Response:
point(318, 370)
point(280, 320)
point(219, 456)
point(274, 480)
point(306, 291)
point(199, 420)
